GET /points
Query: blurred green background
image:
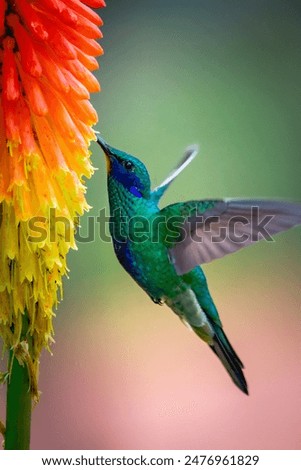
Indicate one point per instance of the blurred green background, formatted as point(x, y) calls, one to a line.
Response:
point(126, 374)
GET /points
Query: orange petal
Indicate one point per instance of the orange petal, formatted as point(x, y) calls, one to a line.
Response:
point(95, 3)
point(11, 121)
point(32, 19)
point(83, 110)
point(34, 94)
point(43, 186)
point(85, 131)
point(52, 70)
point(49, 146)
point(61, 117)
point(76, 154)
point(16, 170)
point(87, 28)
point(11, 86)
point(60, 45)
point(29, 60)
point(2, 13)
point(77, 89)
point(4, 170)
point(83, 75)
point(59, 9)
point(84, 11)
point(87, 60)
point(88, 46)
point(28, 143)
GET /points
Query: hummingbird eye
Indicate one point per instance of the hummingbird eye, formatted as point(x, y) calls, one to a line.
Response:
point(128, 165)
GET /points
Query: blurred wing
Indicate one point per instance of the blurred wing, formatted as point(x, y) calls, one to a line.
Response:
point(229, 226)
point(188, 156)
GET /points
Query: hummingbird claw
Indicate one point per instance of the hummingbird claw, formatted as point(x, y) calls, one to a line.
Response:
point(157, 301)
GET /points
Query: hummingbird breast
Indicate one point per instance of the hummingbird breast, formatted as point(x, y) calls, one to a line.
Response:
point(149, 266)
point(137, 232)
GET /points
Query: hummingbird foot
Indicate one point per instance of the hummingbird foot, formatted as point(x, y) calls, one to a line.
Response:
point(158, 300)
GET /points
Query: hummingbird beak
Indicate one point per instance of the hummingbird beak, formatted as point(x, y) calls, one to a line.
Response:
point(107, 151)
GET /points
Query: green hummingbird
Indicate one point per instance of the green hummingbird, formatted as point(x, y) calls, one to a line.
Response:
point(162, 249)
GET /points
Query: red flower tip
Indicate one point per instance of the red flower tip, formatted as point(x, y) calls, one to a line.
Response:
point(95, 3)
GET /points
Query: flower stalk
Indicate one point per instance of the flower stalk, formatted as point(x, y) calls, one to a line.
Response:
point(19, 394)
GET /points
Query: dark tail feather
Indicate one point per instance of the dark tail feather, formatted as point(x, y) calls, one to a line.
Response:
point(223, 349)
point(221, 334)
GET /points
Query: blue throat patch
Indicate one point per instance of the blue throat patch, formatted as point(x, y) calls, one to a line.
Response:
point(135, 191)
point(129, 180)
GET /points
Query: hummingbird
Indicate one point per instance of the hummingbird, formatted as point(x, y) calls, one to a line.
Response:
point(163, 249)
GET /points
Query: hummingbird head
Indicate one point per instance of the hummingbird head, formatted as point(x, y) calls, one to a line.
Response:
point(126, 170)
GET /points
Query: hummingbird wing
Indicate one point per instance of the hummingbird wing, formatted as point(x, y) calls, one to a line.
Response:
point(212, 229)
point(187, 158)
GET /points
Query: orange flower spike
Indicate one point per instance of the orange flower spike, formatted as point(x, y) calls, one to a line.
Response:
point(47, 53)
point(11, 86)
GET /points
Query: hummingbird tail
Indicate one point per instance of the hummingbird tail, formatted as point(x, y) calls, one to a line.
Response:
point(223, 349)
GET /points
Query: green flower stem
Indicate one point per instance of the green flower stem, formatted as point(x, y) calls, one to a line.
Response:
point(19, 400)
